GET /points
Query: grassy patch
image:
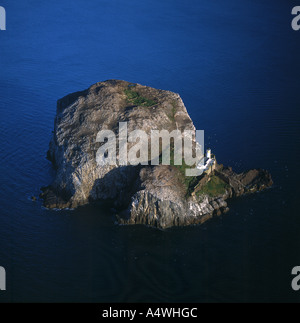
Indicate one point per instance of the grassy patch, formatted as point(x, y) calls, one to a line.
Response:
point(189, 182)
point(135, 98)
point(214, 187)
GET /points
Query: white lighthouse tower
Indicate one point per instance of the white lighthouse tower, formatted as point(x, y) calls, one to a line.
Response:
point(208, 153)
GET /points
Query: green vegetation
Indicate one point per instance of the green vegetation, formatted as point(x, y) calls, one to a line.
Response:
point(135, 98)
point(214, 187)
point(188, 181)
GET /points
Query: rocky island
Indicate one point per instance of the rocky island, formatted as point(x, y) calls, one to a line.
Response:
point(155, 195)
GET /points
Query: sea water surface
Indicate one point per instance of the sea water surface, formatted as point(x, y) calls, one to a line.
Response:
point(236, 65)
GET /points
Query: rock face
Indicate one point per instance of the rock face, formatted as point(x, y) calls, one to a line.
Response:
point(152, 195)
point(168, 205)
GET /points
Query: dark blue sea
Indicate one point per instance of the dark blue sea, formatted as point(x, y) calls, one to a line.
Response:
point(236, 65)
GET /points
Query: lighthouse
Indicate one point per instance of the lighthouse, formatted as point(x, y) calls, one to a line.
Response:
point(208, 153)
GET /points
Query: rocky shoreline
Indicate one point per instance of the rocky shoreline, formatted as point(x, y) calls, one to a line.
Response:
point(159, 195)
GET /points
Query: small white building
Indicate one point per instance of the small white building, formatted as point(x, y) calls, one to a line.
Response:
point(209, 161)
point(208, 153)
